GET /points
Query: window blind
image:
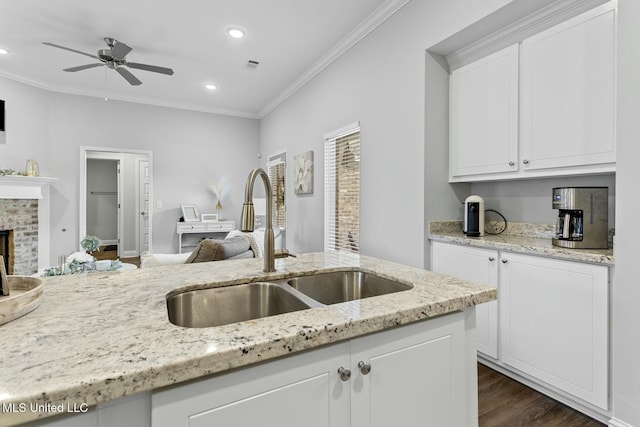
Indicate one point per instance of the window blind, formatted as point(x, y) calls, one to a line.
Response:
point(342, 190)
point(277, 170)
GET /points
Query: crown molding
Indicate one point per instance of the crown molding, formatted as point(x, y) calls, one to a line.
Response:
point(380, 15)
point(69, 90)
point(521, 29)
point(384, 12)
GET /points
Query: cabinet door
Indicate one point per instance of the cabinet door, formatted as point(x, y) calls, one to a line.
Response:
point(417, 376)
point(476, 265)
point(568, 93)
point(484, 115)
point(300, 390)
point(554, 323)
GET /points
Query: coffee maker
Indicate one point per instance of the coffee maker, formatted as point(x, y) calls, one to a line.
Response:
point(583, 217)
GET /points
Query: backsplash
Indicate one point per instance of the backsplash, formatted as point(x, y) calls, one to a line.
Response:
point(543, 231)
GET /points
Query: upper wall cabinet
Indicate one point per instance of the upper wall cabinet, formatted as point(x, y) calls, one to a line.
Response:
point(484, 115)
point(544, 106)
point(568, 92)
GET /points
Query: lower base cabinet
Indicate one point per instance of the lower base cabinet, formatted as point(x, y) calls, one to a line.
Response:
point(551, 322)
point(475, 265)
point(555, 323)
point(422, 374)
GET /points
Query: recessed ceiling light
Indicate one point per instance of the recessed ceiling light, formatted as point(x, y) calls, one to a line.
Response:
point(210, 86)
point(3, 51)
point(236, 32)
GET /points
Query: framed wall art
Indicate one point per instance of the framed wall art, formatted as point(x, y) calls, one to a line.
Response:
point(303, 173)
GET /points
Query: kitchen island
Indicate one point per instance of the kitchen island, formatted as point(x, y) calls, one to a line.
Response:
point(99, 337)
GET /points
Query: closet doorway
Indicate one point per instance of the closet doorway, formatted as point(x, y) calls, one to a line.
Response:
point(115, 198)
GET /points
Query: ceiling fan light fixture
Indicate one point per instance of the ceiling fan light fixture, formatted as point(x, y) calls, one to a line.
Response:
point(236, 33)
point(3, 51)
point(210, 86)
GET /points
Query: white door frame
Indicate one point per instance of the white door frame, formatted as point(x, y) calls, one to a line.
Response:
point(109, 152)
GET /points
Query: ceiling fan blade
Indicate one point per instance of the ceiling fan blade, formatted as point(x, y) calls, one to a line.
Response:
point(83, 67)
point(69, 49)
point(133, 80)
point(153, 68)
point(120, 50)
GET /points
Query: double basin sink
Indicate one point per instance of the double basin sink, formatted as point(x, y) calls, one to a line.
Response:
point(220, 306)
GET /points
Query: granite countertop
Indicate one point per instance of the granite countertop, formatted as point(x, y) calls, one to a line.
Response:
point(101, 336)
point(533, 239)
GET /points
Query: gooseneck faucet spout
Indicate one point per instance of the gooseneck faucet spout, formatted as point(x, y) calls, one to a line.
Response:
point(248, 216)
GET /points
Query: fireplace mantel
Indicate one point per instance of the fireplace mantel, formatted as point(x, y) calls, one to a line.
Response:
point(23, 187)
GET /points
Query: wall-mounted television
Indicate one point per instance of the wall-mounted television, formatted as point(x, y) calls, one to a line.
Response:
point(1, 115)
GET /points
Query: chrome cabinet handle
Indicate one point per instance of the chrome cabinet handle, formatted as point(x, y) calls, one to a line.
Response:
point(504, 261)
point(512, 163)
point(365, 367)
point(525, 161)
point(491, 258)
point(345, 374)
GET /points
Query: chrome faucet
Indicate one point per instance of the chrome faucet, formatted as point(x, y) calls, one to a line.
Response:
point(248, 216)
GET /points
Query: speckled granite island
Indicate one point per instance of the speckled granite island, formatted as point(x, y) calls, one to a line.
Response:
point(102, 336)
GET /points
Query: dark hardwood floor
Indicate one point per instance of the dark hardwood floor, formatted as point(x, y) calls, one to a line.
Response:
point(505, 402)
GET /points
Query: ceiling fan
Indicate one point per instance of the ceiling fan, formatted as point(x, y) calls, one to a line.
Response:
point(114, 58)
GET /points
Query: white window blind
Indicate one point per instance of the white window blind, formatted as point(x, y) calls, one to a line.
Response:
point(342, 190)
point(277, 171)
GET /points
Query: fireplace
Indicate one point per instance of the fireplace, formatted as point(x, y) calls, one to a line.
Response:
point(25, 211)
point(19, 240)
point(6, 249)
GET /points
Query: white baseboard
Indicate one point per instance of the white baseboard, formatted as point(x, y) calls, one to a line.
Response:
point(128, 254)
point(109, 242)
point(614, 422)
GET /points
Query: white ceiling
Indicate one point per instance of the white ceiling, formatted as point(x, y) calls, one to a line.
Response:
point(292, 39)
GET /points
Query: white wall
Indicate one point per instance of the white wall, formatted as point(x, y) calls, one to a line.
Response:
point(381, 83)
point(626, 289)
point(27, 124)
point(189, 149)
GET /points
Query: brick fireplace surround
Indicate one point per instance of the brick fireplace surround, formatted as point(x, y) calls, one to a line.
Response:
point(21, 218)
point(25, 212)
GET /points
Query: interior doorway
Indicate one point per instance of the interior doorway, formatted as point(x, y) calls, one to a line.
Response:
point(103, 199)
point(121, 201)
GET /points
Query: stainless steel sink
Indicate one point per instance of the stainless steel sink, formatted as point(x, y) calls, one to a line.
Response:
point(220, 306)
point(341, 286)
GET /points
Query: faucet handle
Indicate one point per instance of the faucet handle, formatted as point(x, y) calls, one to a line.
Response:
point(283, 253)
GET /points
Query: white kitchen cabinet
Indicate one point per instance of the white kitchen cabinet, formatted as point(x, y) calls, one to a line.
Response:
point(484, 115)
point(476, 265)
point(419, 375)
point(544, 106)
point(568, 93)
point(554, 323)
point(299, 390)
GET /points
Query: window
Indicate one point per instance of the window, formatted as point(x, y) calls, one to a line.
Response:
point(342, 189)
point(277, 171)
